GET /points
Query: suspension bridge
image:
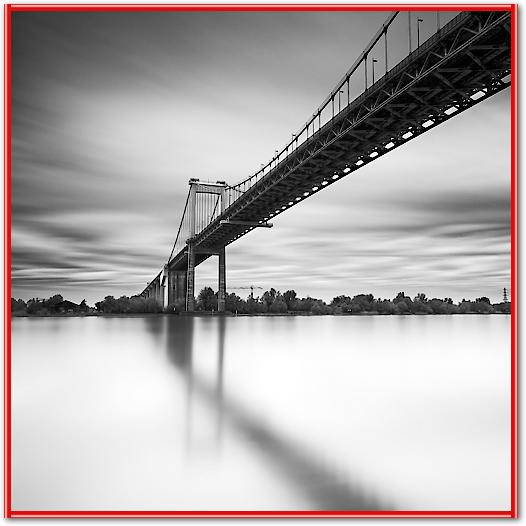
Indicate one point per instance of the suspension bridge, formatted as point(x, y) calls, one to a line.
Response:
point(463, 62)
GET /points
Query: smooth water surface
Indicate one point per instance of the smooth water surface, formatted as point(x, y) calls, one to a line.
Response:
point(261, 413)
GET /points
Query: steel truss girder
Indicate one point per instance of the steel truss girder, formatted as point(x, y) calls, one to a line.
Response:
point(323, 146)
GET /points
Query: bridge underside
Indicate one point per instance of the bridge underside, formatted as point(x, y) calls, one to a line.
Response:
point(466, 62)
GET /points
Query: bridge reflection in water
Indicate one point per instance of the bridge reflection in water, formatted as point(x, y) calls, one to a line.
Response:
point(324, 486)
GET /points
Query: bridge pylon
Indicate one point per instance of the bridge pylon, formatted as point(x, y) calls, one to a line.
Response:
point(221, 295)
point(190, 278)
point(199, 214)
point(176, 281)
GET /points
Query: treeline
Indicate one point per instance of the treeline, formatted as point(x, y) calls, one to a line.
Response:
point(288, 302)
point(44, 307)
point(126, 305)
point(109, 305)
point(271, 301)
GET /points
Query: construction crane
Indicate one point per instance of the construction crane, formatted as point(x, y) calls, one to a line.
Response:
point(251, 287)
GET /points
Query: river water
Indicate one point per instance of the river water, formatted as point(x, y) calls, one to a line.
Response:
point(261, 413)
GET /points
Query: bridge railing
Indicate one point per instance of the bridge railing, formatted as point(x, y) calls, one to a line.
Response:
point(384, 51)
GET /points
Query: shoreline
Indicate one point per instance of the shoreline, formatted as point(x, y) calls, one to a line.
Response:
point(204, 314)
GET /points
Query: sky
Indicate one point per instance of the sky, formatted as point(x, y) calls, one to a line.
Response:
point(114, 112)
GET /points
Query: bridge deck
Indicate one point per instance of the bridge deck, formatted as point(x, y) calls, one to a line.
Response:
point(466, 62)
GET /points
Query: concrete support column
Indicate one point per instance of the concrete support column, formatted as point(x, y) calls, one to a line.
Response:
point(221, 296)
point(163, 294)
point(181, 286)
point(164, 286)
point(171, 286)
point(190, 279)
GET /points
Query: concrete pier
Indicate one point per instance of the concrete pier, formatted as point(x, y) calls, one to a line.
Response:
point(181, 286)
point(221, 296)
point(190, 279)
point(177, 286)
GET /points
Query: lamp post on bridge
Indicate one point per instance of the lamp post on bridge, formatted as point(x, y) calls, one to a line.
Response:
point(365, 69)
point(418, 21)
point(409, 30)
point(340, 100)
point(374, 62)
point(385, 49)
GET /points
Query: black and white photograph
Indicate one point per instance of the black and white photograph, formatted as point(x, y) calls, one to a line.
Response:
point(261, 260)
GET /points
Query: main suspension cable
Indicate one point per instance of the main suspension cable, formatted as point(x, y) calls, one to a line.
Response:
point(180, 225)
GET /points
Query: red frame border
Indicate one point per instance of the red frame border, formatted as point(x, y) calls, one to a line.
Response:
point(9, 9)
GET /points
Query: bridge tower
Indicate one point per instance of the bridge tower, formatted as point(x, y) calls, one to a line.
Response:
point(200, 187)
